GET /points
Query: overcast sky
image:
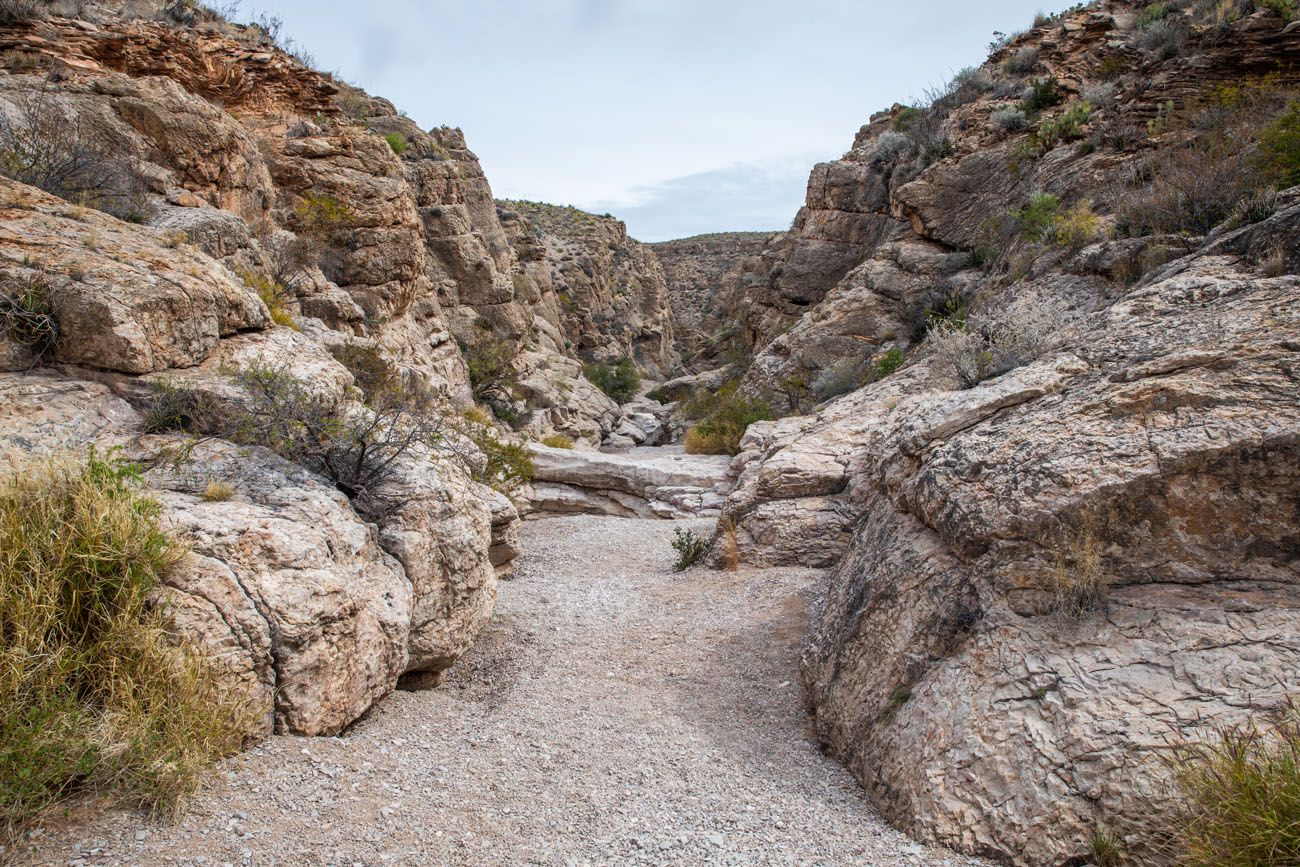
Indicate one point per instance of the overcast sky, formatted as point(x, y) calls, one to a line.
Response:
point(679, 116)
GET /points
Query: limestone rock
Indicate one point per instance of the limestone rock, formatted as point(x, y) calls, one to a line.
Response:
point(646, 482)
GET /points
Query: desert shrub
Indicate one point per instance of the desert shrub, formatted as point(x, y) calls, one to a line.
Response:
point(1067, 126)
point(964, 88)
point(506, 466)
point(906, 117)
point(1009, 119)
point(371, 372)
point(27, 314)
point(69, 158)
point(989, 344)
point(720, 433)
point(1100, 95)
point(273, 295)
point(1037, 220)
point(323, 214)
point(841, 377)
point(1242, 795)
point(888, 362)
point(1079, 584)
point(1279, 147)
point(492, 376)
point(943, 304)
point(20, 11)
point(557, 441)
point(1112, 67)
point(1022, 62)
point(660, 395)
point(218, 492)
point(690, 549)
point(1151, 13)
point(1163, 39)
point(95, 693)
point(359, 450)
point(890, 147)
point(1173, 193)
point(1285, 8)
point(172, 407)
point(1079, 226)
point(1039, 95)
point(398, 142)
point(620, 381)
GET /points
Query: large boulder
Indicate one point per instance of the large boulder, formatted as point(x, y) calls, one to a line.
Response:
point(125, 298)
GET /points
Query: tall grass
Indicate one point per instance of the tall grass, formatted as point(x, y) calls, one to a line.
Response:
point(95, 693)
point(1243, 796)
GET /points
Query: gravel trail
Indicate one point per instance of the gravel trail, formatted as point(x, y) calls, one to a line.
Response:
point(613, 713)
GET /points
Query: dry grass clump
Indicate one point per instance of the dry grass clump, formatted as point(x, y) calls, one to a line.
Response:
point(218, 492)
point(1080, 585)
point(557, 441)
point(1242, 793)
point(95, 694)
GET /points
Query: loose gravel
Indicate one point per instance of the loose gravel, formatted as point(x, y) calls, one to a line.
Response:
point(614, 712)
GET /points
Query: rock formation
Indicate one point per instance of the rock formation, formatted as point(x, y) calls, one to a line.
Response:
point(706, 278)
point(1039, 579)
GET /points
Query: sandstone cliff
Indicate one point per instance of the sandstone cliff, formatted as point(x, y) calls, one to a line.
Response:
point(1061, 515)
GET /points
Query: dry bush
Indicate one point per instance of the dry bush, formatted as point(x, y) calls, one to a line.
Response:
point(557, 441)
point(989, 344)
point(20, 11)
point(69, 158)
point(218, 492)
point(95, 694)
point(1080, 585)
point(27, 314)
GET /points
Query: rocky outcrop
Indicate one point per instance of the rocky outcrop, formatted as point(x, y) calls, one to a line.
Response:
point(610, 295)
point(705, 276)
point(643, 482)
point(1041, 581)
point(272, 229)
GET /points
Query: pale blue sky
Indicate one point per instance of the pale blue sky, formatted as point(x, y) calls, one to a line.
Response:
point(679, 116)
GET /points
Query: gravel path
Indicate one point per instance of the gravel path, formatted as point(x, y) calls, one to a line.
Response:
point(613, 713)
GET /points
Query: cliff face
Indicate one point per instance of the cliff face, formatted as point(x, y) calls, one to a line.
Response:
point(706, 276)
point(604, 291)
point(1043, 511)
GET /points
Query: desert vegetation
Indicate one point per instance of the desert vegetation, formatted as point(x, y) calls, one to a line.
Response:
point(621, 381)
point(96, 695)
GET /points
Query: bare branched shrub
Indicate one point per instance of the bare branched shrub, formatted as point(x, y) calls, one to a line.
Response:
point(26, 314)
point(20, 11)
point(989, 344)
point(1022, 62)
point(69, 158)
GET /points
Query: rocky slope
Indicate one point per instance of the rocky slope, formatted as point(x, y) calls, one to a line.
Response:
point(706, 277)
point(1047, 570)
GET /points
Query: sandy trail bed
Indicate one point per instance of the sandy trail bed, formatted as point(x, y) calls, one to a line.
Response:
point(614, 712)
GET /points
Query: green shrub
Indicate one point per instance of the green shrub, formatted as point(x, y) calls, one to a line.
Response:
point(324, 215)
point(1078, 227)
point(95, 694)
point(660, 395)
point(557, 441)
point(398, 142)
point(620, 381)
point(906, 117)
point(507, 464)
point(1037, 220)
point(1040, 94)
point(1279, 147)
point(1242, 792)
point(720, 433)
point(1105, 849)
point(888, 362)
point(1066, 126)
point(1151, 13)
point(273, 295)
point(27, 314)
point(170, 407)
point(492, 376)
point(690, 549)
